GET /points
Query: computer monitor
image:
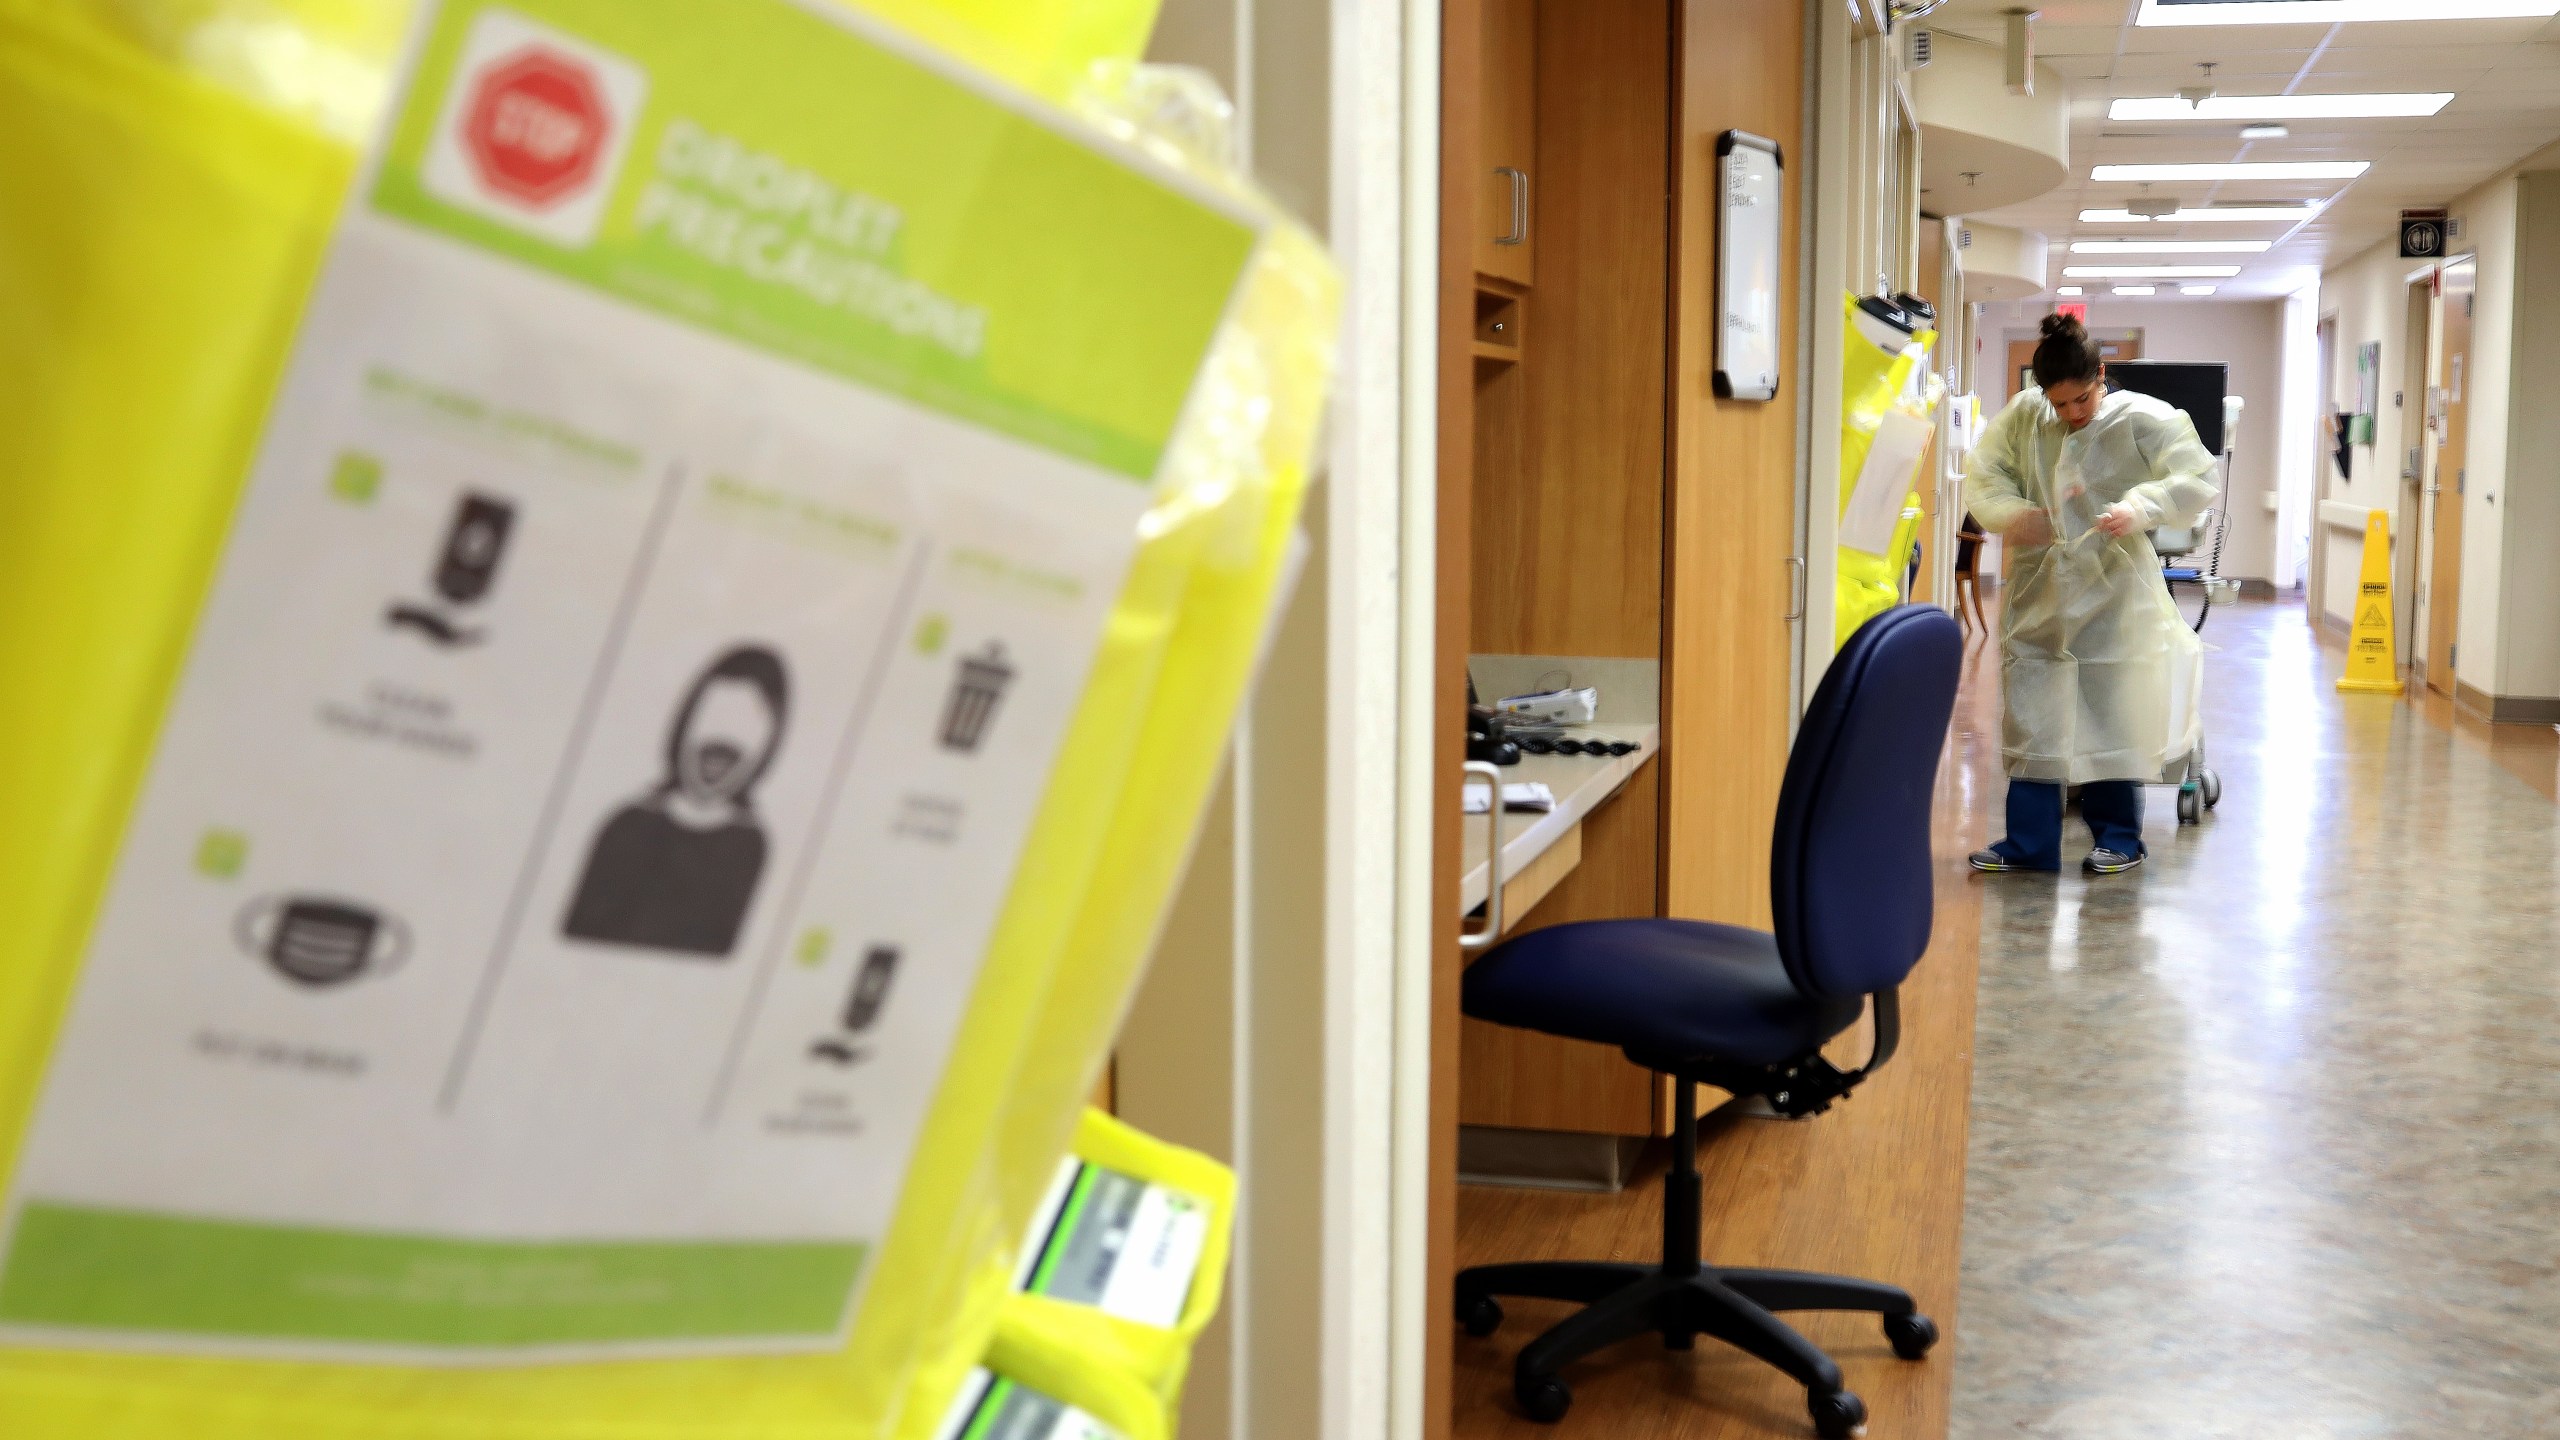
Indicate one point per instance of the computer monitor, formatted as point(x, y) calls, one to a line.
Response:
point(2194, 386)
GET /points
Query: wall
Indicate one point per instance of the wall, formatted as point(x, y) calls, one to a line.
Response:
point(2489, 226)
point(2248, 336)
point(2529, 603)
point(2502, 575)
point(2369, 299)
point(1265, 1031)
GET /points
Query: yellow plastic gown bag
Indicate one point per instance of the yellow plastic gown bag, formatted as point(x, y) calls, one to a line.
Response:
point(1884, 374)
point(173, 188)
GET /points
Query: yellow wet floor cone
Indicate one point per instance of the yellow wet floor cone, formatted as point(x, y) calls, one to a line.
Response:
point(2373, 663)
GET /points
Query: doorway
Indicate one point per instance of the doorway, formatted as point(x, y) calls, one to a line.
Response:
point(2112, 346)
point(2410, 404)
point(2448, 419)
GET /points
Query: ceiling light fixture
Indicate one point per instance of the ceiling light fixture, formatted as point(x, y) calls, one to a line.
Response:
point(2233, 170)
point(2171, 247)
point(2069, 290)
point(2271, 214)
point(2197, 289)
point(2333, 12)
point(2137, 289)
point(2395, 106)
point(2263, 132)
point(2150, 272)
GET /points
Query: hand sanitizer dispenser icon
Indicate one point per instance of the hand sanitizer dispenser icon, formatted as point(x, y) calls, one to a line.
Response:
point(466, 569)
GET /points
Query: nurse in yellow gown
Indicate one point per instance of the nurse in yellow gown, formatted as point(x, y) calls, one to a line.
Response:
point(2098, 670)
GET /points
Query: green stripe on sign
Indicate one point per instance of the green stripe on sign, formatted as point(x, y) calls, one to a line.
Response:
point(1069, 1217)
point(125, 1270)
point(806, 190)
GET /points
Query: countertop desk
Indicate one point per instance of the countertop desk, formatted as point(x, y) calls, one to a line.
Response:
point(1541, 848)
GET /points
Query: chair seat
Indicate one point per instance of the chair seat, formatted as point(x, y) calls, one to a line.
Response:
point(1659, 989)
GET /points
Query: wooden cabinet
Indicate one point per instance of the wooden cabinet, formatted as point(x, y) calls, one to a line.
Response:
point(1568, 488)
point(1616, 507)
point(1506, 228)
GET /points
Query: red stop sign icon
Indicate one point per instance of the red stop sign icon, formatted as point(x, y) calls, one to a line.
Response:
point(536, 126)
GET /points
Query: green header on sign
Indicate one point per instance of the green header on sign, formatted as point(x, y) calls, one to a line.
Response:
point(818, 194)
point(85, 1268)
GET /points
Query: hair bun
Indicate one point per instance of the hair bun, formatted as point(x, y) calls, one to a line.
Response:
point(2065, 326)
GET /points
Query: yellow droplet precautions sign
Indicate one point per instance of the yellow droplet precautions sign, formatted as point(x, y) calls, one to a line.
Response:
point(2373, 663)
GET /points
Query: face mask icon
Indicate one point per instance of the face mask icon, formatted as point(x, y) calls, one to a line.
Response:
point(319, 941)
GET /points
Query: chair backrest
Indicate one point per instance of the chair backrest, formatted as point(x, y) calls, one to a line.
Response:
point(1850, 872)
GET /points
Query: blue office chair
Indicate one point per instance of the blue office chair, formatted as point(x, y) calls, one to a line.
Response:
point(1850, 879)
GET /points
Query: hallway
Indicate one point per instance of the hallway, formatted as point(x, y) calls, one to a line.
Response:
point(2262, 1136)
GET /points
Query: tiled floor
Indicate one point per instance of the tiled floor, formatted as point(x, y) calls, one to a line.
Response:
point(2266, 1135)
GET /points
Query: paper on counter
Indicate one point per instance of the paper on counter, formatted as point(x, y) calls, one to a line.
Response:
point(1516, 795)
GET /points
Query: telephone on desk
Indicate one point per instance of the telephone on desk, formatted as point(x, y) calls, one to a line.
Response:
point(1487, 732)
point(1502, 738)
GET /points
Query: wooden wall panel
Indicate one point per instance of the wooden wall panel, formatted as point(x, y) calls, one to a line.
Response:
point(1568, 537)
point(1732, 513)
point(1461, 152)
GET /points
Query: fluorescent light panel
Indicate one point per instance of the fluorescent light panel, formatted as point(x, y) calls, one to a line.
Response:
point(2137, 289)
point(2334, 12)
point(2233, 170)
point(2150, 272)
point(2070, 290)
point(2170, 247)
point(2197, 289)
point(2281, 107)
point(2219, 214)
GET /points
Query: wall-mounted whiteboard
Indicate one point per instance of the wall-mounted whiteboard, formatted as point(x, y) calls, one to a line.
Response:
point(1749, 223)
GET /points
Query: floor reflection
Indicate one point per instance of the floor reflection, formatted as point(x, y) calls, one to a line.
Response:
point(2262, 1138)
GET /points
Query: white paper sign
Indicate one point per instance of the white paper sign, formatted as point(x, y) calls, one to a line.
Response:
point(1884, 483)
point(605, 750)
point(1751, 221)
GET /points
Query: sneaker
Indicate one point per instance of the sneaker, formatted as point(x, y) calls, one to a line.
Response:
point(2109, 862)
point(1992, 862)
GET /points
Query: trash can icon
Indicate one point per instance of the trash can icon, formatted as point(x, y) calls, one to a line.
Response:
point(974, 693)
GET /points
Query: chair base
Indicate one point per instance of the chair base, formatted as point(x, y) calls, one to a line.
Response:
point(1738, 1307)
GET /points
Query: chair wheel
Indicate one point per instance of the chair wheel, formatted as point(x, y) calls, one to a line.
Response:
point(2212, 789)
point(1480, 1315)
point(1838, 1415)
point(2190, 806)
point(1545, 1398)
point(1910, 1335)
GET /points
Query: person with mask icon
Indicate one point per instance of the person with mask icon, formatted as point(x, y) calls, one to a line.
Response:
point(676, 869)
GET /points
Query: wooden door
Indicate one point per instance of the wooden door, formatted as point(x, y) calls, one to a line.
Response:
point(1506, 243)
point(2022, 355)
point(1727, 706)
point(2450, 413)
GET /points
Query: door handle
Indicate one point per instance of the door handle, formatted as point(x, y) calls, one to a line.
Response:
point(1796, 574)
point(1519, 205)
point(1492, 930)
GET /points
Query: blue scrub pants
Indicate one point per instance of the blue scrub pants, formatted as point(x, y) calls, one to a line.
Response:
point(2113, 809)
